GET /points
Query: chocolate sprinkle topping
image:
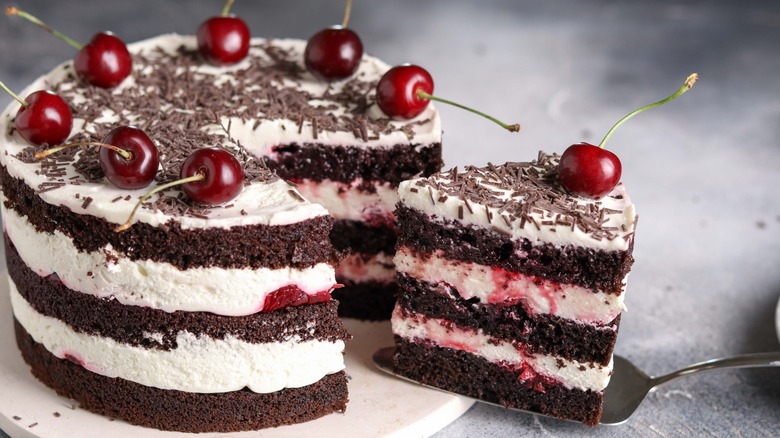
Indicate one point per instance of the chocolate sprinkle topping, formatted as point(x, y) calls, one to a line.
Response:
point(183, 109)
point(532, 187)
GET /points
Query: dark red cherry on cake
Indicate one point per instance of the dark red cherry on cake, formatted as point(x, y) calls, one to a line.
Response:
point(397, 92)
point(45, 120)
point(104, 62)
point(404, 92)
point(588, 170)
point(592, 171)
point(333, 54)
point(138, 167)
point(224, 39)
point(222, 176)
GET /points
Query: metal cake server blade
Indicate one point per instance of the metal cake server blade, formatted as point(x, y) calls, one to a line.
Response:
point(628, 385)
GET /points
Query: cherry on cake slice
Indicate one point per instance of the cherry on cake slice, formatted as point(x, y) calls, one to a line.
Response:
point(511, 290)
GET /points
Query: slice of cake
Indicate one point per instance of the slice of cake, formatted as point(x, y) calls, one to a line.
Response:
point(510, 289)
point(336, 145)
point(206, 318)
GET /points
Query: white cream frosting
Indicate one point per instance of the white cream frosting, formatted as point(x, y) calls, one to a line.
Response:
point(360, 267)
point(107, 273)
point(199, 364)
point(572, 374)
point(492, 285)
point(259, 203)
point(347, 201)
point(624, 219)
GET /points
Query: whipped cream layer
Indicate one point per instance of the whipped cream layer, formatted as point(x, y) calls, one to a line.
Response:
point(496, 286)
point(108, 274)
point(571, 374)
point(198, 364)
point(519, 200)
point(351, 202)
point(360, 268)
point(259, 203)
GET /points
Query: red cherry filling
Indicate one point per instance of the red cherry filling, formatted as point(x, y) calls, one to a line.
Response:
point(139, 169)
point(588, 170)
point(334, 53)
point(104, 62)
point(45, 120)
point(397, 91)
point(291, 296)
point(223, 40)
point(222, 176)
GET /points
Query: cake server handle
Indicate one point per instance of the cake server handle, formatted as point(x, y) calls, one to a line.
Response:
point(769, 359)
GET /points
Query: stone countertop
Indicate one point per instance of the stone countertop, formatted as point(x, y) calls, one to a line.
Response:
point(704, 170)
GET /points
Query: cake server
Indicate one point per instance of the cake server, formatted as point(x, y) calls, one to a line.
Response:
point(628, 386)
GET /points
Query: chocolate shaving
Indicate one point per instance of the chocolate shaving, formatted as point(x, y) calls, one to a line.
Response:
point(179, 107)
point(296, 195)
point(522, 193)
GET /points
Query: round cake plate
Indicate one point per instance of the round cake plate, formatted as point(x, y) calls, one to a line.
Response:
point(777, 320)
point(379, 405)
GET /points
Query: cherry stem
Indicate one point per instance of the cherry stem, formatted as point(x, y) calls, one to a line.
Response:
point(226, 9)
point(200, 176)
point(689, 81)
point(123, 153)
point(10, 10)
point(346, 14)
point(14, 95)
point(511, 128)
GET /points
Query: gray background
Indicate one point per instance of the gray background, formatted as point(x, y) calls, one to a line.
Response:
point(703, 170)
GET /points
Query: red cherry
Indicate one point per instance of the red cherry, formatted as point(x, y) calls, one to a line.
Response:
point(223, 176)
point(334, 53)
point(588, 170)
point(45, 120)
point(104, 62)
point(396, 91)
point(592, 171)
point(223, 40)
point(291, 296)
point(135, 172)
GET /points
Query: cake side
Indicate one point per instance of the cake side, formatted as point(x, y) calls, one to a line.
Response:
point(179, 410)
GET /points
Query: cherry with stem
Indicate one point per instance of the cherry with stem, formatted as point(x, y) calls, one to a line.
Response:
point(209, 176)
point(43, 119)
point(224, 39)
point(104, 62)
point(127, 155)
point(334, 53)
point(404, 92)
point(593, 171)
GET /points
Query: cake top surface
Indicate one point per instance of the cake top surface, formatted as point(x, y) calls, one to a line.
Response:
point(524, 200)
point(183, 104)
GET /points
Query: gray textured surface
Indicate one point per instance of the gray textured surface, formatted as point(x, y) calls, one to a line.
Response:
point(703, 170)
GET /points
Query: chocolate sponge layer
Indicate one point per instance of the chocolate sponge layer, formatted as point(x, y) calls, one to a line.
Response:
point(182, 411)
point(347, 163)
point(127, 324)
point(299, 245)
point(470, 375)
point(544, 334)
point(595, 269)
